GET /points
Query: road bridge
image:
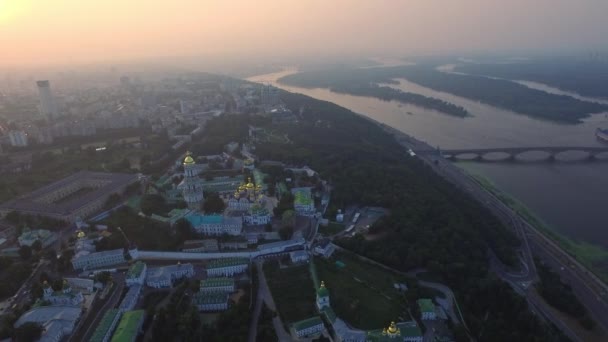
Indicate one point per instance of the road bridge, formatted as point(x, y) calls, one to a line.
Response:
point(590, 153)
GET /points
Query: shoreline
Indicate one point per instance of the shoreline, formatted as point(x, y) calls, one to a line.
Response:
point(584, 252)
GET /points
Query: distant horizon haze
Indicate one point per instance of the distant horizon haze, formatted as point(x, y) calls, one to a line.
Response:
point(71, 32)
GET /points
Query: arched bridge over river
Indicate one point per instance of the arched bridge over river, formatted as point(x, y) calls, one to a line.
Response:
point(551, 153)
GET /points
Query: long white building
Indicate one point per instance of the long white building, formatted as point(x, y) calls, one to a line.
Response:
point(164, 276)
point(227, 267)
point(99, 259)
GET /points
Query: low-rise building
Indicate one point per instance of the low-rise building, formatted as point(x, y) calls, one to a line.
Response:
point(128, 303)
point(324, 248)
point(63, 297)
point(130, 326)
point(165, 276)
point(81, 283)
point(303, 202)
point(57, 321)
point(136, 274)
point(427, 309)
point(257, 215)
point(105, 328)
point(211, 301)
point(29, 237)
point(217, 285)
point(298, 256)
point(308, 328)
point(88, 261)
point(227, 267)
point(216, 224)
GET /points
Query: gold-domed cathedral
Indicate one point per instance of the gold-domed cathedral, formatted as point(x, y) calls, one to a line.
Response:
point(191, 186)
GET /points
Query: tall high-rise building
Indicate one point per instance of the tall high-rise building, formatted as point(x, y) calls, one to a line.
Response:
point(48, 107)
point(269, 96)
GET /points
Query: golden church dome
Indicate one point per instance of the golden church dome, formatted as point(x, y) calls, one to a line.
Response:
point(188, 160)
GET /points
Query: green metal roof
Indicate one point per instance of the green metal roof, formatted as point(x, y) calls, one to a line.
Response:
point(219, 263)
point(302, 196)
point(135, 270)
point(197, 219)
point(127, 329)
point(217, 282)
point(307, 323)
point(426, 305)
point(104, 325)
point(211, 298)
point(329, 314)
point(409, 329)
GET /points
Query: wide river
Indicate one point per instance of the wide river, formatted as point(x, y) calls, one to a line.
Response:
point(569, 197)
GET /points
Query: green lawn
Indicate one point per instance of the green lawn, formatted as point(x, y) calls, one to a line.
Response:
point(292, 290)
point(332, 228)
point(362, 294)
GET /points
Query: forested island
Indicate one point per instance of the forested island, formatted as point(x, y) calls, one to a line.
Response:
point(391, 94)
point(582, 76)
point(500, 93)
point(432, 225)
point(360, 82)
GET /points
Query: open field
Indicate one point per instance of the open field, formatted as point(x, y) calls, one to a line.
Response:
point(360, 293)
point(332, 228)
point(293, 291)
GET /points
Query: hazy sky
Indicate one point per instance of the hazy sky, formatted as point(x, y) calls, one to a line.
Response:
point(75, 31)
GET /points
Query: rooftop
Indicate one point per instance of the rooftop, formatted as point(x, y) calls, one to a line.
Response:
point(426, 305)
point(219, 263)
point(210, 298)
point(103, 253)
point(167, 271)
point(135, 270)
point(45, 314)
point(198, 219)
point(217, 282)
point(112, 182)
point(302, 196)
point(104, 325)
point(128, 328)
point(286, 243)
point(329, 313)
point(307, 323)
point(130, 296)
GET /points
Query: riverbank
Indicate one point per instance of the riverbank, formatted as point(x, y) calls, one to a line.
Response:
point(595, 258)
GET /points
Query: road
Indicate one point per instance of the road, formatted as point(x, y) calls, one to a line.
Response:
point(255, 317)
point(22, 296)
point(89, 323)
point(588, 288)
point(264, 292)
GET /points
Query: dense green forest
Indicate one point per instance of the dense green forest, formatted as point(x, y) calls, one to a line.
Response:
point(499, 93)
point(432, 225)
point(585, 77)
point(560, 295)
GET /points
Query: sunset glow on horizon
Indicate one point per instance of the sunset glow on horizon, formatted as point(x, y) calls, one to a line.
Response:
point(71, 31)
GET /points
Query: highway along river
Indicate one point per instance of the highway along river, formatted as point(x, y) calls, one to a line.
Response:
point(570, 198)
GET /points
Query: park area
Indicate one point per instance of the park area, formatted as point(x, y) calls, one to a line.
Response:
point(361, 293)
point(292, 290)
